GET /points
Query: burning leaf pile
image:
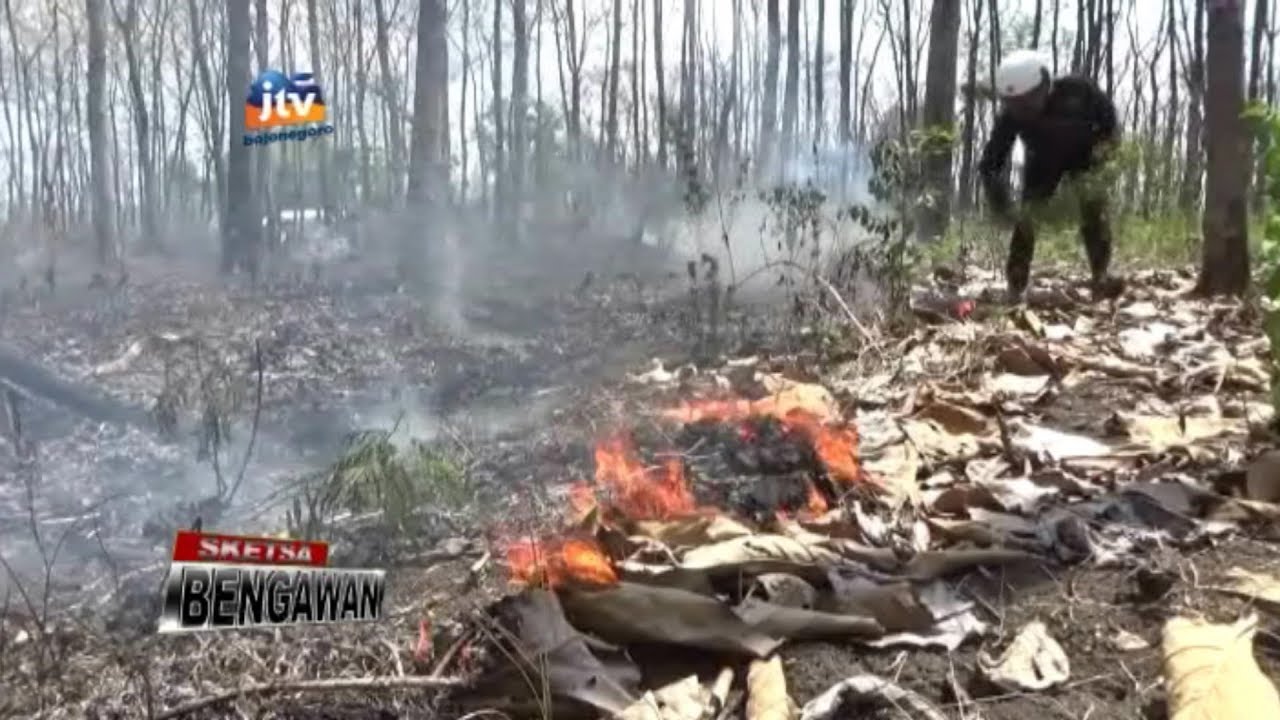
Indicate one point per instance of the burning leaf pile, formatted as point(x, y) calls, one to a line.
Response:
point(664, 554)
point(763, 513)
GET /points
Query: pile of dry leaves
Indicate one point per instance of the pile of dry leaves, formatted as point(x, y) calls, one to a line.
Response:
point(747, 512)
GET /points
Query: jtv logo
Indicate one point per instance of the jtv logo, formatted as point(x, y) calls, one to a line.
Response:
point(276, 101)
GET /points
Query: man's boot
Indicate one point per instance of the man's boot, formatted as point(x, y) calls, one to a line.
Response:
point(1022, 247)
point(1106, 287)
point(1095, 230)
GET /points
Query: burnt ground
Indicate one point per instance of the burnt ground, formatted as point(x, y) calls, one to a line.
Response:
point(1084, 609)
point(521, 394)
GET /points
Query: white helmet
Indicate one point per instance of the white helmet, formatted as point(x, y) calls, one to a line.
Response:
point(1020, 72)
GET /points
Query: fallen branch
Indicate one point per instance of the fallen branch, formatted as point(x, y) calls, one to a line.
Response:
point(324, 685)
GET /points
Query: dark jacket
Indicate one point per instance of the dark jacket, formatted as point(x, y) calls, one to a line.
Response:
point(1078, 117)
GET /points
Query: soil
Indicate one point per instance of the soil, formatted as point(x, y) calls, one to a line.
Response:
point(541, 392)
point(1084, 609)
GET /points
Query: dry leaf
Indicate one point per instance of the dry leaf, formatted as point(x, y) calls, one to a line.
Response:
point(801, 624)
point(628, 612)
point(767, 697)
point(894, 468)
point(1125, 641)
point(1055, 444)
point(1034, 661)
point(1158, 433)
point(739, 551)
point(1260, 587)
point(783, 589)
point(692, 531)
point(955, 418)
point(1211, 674)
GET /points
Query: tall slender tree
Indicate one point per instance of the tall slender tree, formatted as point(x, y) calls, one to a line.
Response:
point(99, 170)
point(939, 113)
point(1224, 265)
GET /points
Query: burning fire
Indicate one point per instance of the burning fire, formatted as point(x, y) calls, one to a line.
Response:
point(835, 444)
point(636, 491)
point(816, 504)
point(557, 561)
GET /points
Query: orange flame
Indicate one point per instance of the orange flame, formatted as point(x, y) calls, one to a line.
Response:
point(835, 444)
point(558, 561)
point(816, 504)
point(638, 492)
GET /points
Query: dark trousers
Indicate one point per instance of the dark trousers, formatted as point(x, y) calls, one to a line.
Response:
point(1095, 228)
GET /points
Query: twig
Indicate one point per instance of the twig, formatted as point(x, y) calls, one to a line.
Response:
point(253, 431)
point(449, 654)
point(323, 685)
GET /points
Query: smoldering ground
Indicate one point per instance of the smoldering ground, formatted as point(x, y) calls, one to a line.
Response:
point(479, 335)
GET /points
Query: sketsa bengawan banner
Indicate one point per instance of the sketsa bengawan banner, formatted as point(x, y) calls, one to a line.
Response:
point(222, 582)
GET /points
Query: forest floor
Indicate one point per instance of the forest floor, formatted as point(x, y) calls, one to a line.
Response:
point(1092, 467)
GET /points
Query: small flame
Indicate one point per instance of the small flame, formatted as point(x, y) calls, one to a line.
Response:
point(815, 503)
point(638, 492)
point(554, 562)
point(835, 445)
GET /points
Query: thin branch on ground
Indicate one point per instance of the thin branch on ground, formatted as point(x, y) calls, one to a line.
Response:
point(322, 685)
point(253, 431)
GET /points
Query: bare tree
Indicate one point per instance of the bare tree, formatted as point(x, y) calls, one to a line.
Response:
point(519, 112)
point(939, 112)
point(240, 221)
point(659, 76)
point(322, 152)
point(127, 24)
point(790, 99)
point(1193, 168)
point(769, 107)
point(1224, 266)
point(846, 62)
point(970, 107)
point(615, 65)
point(819, 64)
point(97, 132)
point(390, 94)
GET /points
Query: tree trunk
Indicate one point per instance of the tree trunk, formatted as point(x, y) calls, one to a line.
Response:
point(662, 87)
point(769, 109)
point(846, 63)
point(395, 137)
point(519, 114)
point(1193, 168)
point(1225, 264)
point(939, 112)
point(1035, 25)
point(99, 170)
point(637, 61)
point(499, 133)
point(322, 152)
point(615, 64)
point(127, 25)
point(241, 226)
point(1255, 86)
point(790, 97)
point(818, 74)
point(427, 189)
point(263, 200)
point(970, 108)
point(1053, 33)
